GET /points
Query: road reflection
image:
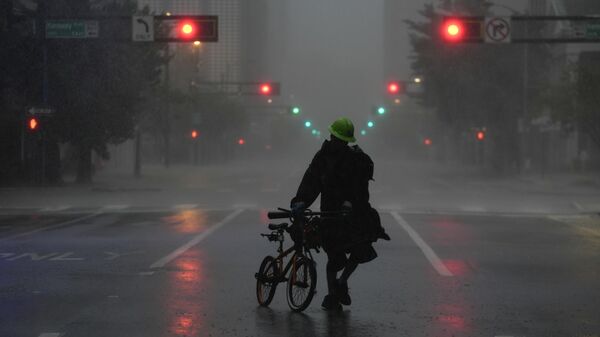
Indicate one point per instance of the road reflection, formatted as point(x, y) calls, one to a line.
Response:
point(185, 307)
point(451, 309)
point(188, 221)
point(287, 323)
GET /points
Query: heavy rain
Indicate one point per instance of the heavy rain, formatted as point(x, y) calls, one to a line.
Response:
point(299, 168)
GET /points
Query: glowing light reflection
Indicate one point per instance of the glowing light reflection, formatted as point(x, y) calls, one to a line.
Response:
point(188, 221)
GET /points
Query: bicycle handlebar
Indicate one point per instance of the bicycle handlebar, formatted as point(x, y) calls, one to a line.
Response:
point(285, 214)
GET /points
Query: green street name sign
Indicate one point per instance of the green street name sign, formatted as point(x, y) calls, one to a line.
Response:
point(592, 31)
point(72, 29)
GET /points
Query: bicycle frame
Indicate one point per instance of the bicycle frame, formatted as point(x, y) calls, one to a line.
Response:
point(299, 253)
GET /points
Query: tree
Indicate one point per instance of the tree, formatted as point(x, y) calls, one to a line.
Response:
point(96, 86)
point(472, 85)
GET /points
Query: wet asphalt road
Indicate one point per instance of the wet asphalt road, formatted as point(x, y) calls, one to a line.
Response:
point(189, 272)
point(174, 254)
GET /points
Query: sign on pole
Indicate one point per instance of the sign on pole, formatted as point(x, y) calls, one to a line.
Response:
point(72, 29)
point(40, 111)
point(497, 30)
point(142, 28)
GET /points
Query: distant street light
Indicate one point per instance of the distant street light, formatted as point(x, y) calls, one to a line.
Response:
point(417, 80)
point(197, 43)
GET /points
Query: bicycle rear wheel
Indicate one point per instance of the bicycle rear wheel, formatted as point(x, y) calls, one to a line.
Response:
point(301, 284)
point(266, 281)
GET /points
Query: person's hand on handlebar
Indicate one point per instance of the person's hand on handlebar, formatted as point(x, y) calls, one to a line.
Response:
point(298, 208)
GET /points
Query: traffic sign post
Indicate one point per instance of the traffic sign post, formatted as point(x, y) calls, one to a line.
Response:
point(592, 31)
point(72, 29)
point(497, 30)
point(142, 28)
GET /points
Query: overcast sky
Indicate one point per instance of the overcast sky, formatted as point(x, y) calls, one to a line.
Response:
point(335, 54)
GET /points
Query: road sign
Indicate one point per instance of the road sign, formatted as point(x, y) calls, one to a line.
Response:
point(497, 30)
point(592, 31)
point(142, 28)
point(72, 29)
point(40, 111)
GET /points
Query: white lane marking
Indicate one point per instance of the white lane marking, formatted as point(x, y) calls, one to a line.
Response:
point(56, 208)
point(67, 257)
point(577, 206)
point(115, 207)
point(163, 261)
point(85, 217)
point(245, 206)
point(50, 334)
point(146, 273)
point(471, 208)
point(390, 207)
point(427, 251)
point(185, 206)
point(270, 190)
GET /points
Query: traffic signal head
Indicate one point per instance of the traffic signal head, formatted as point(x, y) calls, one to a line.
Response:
point(241, 141)
point(33, 123)
point(480, 135)
point(363, 132)
point(307, 124)
point(394, 88)
point(265, 89)
point(370, 124)
point(381, 110)
point(188, 30)
point(194, 134)
point(295, 110)
point(461, 30)
point(427, 142)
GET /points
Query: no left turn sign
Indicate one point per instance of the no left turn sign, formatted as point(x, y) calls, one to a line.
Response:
point(497, 30)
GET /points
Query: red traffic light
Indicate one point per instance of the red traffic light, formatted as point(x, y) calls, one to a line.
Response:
point(394, 88)
point(427, 141)
point(188, 29)
point(241, 141)
point(462, 30)
point(480, 135)
point(453, 30)
point(194, 134)
point(266, 89)
point(33, 124)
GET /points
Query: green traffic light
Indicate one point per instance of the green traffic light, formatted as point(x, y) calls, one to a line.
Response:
point(314, 132)
point(370, 124)
point(381, 110)
point(363, 132)
point(307, 124)
point(295, 110)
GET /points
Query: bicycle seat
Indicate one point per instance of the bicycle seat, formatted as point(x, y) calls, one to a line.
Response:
point(275, 227)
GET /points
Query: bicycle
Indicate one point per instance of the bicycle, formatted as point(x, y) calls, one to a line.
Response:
point(302, 279)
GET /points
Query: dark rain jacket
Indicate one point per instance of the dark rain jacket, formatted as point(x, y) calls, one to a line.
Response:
point(340, 173)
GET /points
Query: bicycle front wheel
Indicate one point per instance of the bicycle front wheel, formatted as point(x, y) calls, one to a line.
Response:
point(266, 281)
point(301, 284)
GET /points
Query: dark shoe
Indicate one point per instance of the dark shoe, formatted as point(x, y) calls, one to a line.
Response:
point(330, 302)
point(342, 293)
